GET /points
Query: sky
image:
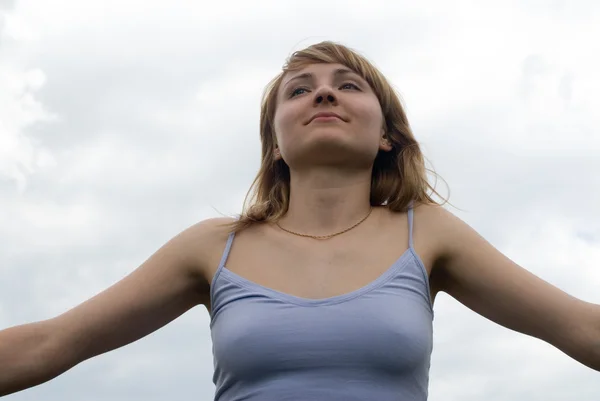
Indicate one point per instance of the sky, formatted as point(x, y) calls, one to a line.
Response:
point(124, 122)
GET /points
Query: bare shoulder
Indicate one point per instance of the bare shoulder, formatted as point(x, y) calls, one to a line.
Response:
point(432, 213)
point(210, 232)
point(196, 247)
point(433, 225)
point(166, 285)
point(216, 228)
point(435, 230)
point(206, 241)
point(440, 226)
point(476, 274)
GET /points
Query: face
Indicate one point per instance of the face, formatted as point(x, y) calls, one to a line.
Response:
point(327, 114)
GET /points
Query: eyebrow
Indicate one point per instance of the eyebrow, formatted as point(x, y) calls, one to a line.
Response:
point(307, 75)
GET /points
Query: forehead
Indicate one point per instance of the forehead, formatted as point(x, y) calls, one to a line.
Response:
point(318, 67)
point(316, 70)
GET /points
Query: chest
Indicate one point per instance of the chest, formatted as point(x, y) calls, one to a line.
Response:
point(315, 269)
point(387, 332)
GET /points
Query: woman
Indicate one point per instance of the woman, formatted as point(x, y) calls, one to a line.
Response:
point(323, 289)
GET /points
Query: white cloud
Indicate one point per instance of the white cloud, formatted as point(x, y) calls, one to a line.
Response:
point(21, 155)
point(20, 110)
point(122, 122)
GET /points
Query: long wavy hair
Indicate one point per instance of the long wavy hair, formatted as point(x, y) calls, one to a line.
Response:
point(399, 176)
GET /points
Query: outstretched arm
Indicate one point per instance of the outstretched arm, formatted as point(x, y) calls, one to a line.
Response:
point(489, 283)
point(165, 286)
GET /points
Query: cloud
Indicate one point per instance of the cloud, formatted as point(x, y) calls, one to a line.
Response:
point(20, 155)
point(7, 4)
point(122, 123)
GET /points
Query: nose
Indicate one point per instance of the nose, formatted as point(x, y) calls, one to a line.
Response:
point(325, 95)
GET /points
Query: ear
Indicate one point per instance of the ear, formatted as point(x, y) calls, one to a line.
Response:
point(385, 144)
point(276, 153)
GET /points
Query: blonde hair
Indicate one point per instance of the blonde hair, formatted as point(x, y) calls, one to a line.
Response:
point(399, 176)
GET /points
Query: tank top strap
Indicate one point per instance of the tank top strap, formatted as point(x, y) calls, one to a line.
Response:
point(218, 272)
point(410, 224)
point(226, 250)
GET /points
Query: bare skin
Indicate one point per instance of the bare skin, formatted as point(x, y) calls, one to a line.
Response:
point(317, 269)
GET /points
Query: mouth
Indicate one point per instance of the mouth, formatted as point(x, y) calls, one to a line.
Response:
point(325, 116)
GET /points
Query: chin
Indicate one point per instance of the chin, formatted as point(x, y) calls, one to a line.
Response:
point(331, 136)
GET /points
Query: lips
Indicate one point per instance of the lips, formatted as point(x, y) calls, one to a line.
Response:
point(324, 114)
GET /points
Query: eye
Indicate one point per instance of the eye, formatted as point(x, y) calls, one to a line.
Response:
point(298, 91)
point(349, 85)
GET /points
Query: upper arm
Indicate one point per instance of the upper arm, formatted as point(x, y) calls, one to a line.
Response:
point(164, 287)
point(489, 283)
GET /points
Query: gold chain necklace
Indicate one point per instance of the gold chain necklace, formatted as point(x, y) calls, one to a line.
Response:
point(325, 236)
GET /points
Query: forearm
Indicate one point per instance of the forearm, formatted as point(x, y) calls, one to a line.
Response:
point(27, 357)
point(596, 338)
point(582, 342)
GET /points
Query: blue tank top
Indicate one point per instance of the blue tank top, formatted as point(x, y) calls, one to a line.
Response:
point(373, 343)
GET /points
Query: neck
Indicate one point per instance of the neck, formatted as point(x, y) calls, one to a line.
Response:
point(327, 200)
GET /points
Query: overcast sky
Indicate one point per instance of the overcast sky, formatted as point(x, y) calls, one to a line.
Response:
point(123, 122)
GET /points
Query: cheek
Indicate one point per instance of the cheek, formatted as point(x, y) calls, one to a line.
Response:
point(281, 117)
point(284, 121)
point(371, 117)
point(278, 123)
